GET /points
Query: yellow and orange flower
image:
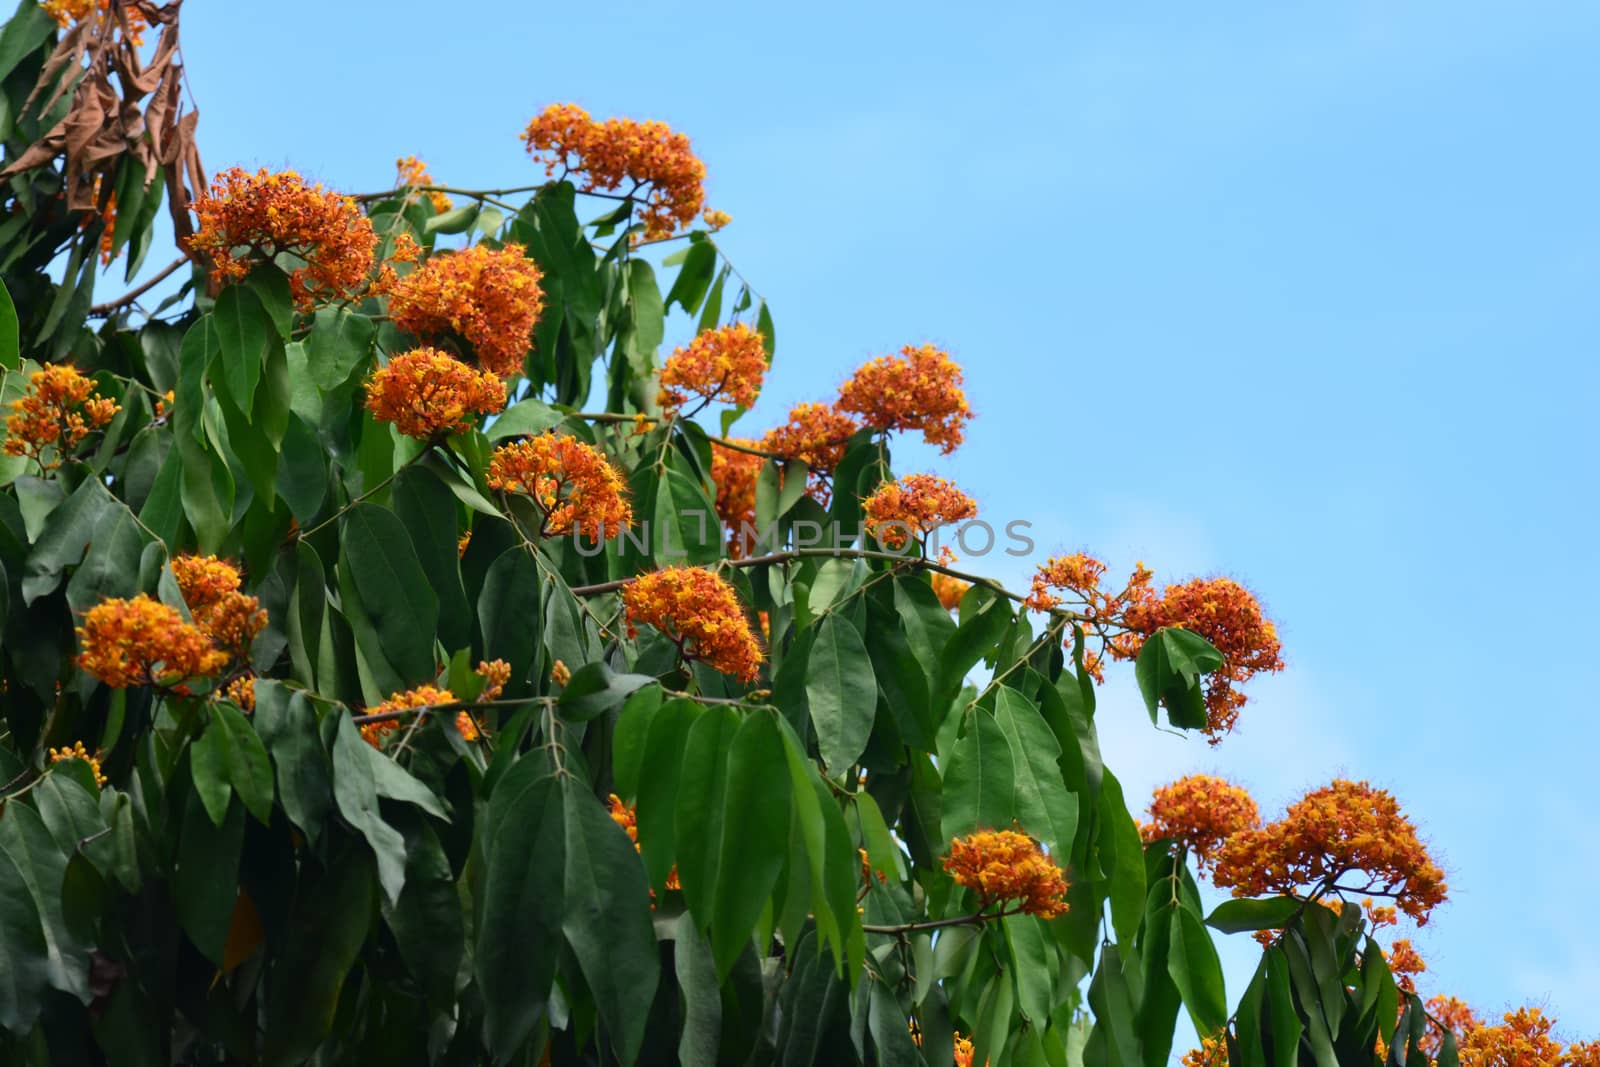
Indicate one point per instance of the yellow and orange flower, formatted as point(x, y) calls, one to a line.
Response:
point(412, 174)
point(1003, 865)
point(68, 12)
point(496, 673)
point(615, 151)
point(1343, 827)
point(1078, 573)
point(55, 413)
point(77, 751)
point(919, 389)
point(715, 220)
point(735, 474)
point(210, 588)
point(423, 696)
point(242, 691)
point(1224, 613)
point(1213, 1052)
point(1522, 1039)
point(572, 484)
point(949, 590)
point(491, 298)
point(426, 393)
point(816, 434)
point(725, 364)
point(626, 817)
point(142, 641)
point(914, 506)
point(246, 219)
point(702, 615)
point(1405, 964)
point(963, 1051)
point(467, 726)
point(1200, 812)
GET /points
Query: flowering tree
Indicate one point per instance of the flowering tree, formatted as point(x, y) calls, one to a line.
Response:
point(373, 694)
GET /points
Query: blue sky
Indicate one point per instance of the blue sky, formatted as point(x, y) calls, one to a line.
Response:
point(1304, 295)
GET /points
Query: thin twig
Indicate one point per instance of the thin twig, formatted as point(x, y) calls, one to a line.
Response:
point(101, 310)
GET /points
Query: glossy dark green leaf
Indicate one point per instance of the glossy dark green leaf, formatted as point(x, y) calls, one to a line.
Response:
point(355, 793)
point(426, 920)
point(701, 801)
point(1264, 913)
point(1197, 971)
point(1032, 956)
point(755, 835)
point(339, 343)
point(696, 972)
point(205, 881)
point(394, 589)
point(245, 334)
point(1168, 670)
point(1282, 1018)
point(288, 727)
point(10, 347)
point(520, 934)
point(606, 919)
point(694, 277)
point(24, 976)
point(630, 739)
point(1043, 805)
point(40, 862)
point(980, 783)
point(509, 611)
point(249, 769)
point(208, 766)
point(525, 418)
point(657, 790)
point(302, 470)
point(841, 692)
point(329, 922)
point(891, 1037)
point(1122, 858)
point(427, 508)
point(596, 689)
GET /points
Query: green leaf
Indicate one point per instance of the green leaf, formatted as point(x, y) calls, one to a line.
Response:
point(891, 1038)
point(1169, 668)
point(689, 287)
point(657, 807)
point(1032, 958)
point(427, 920)
point(755, 835)
point(205, 883)
point(302, 478)
point(509, 611)
point(394, 589)
point(23, 953)
point(702, 999)
point(596, 689)
point(428, 510)
point(701, 801)
point(331, 915)
point(841, 692)
point(456, 220)
point(340, 341)
point(519, 936)
point(288, 727)
point(1265, 913)
point(769, 335)
point(355, 792)
point(1284, 1020)
point(525, 418)
point(245, 336)
point(39, 861)
point(980, 783)
point(10, 342)
point(630, 739)
point(208, 764)
point(1044, 807)
point(245, 756)
point(1197, 971)
point(606, 919)
point(1122, 858)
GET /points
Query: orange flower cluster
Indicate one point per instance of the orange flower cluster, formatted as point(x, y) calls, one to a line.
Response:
point(913, 506)
point(735, 474)
point(963, 1051)
point(56, 413)
point(245, 219)
point(725, 364)
point(242, 691)
point(920, 389)
point(467, 726)
point(1078, 573)
point(815, 434)
point(1343, 827)
point(949, 590)
point(1213, 1052)
point(67, 12)
point(423, 696)
point(700, 612)
point(411, 173)
point(1522, 1040)
point(426, 393)
point(77, 751)
point(560, 673)
point(489, 297)
point(1002, 865)
point(715, 220)
point(617, 150)
point(144, 642)
point(1405, 964)
point(210, 588)
point(572, 484)
point(1454, 1014)
point(496, 673)
point(626, 817)
point(1224, 613)
point(1200, 812)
